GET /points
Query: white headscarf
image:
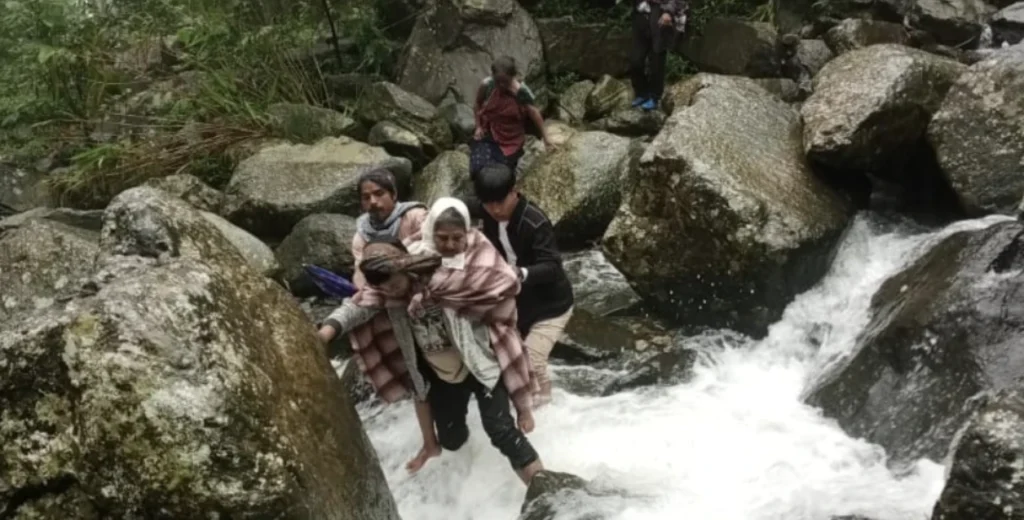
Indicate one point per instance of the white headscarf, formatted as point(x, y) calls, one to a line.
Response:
point(426, 243)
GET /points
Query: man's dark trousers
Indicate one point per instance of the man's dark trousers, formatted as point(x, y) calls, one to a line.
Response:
point(651, 43)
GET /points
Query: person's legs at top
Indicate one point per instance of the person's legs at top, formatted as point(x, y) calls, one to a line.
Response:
point(638, 57)
point(539, 341)
point(496, 416)
point(662, 38)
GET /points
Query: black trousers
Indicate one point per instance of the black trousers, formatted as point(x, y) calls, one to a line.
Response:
point(450, 404)
point(651, 43)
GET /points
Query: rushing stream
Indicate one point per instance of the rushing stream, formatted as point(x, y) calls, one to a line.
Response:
point(734, 443)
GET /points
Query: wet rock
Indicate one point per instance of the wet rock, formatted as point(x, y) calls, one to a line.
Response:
point(986, 480)
point(307, 123)
point(182, 386)
point(580, 184)
point(451, 46)
point(735, 47)
point(398, 142)
point(358, 388)
point(589, 50)
point(255, 252)
point(550, 491)
point(871, 105)
point(190, 189)
point(388, 102)
point(632, 122)
point(21, 189)
point(978, 133)
point(591, 338)
point(1008, 25)
point(324, 240)
point(609, 95)
point(321, 178)
point(853, 34)
point(671, 367)
point(704, 233)
point(597, 285)
point(571, 106)
point(446, 176)
point(943, 330)
point(42, 261)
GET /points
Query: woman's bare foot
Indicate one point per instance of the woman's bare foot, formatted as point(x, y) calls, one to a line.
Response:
point(543, 397)
point(426, 453)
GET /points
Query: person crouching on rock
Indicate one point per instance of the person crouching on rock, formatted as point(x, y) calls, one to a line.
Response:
point(503, 109)
point(655, 24)
point(383, 216)
point(447, 331)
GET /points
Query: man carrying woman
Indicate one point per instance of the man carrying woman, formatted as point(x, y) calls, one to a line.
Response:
point(439, 320)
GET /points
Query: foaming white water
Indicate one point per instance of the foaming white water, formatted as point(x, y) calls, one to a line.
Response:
point(735, 443)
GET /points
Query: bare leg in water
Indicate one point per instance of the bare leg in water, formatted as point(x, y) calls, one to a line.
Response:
point(526, 474)
point(431, 447)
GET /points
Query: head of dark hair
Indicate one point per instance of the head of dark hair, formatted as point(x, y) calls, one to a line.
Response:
point(451, 217)
point(494, 182)
point(505, 65)
point(380, 177)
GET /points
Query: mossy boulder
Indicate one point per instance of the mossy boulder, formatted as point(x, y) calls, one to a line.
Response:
point(182, 384)
point(608, 95)
point(308, 123)
point(190, 189)
point(324, 240)
point(445, 176)
point(724, 221)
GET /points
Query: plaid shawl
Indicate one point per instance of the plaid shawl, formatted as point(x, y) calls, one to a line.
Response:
point(485, 290)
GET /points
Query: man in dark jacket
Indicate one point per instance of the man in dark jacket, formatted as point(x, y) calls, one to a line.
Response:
point(655, 24)
point(526, 238)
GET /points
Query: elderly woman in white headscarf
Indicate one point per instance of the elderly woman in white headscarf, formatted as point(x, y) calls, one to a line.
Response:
point(456, 338)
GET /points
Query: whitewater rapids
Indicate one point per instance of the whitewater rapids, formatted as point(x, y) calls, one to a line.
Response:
point(734, 443)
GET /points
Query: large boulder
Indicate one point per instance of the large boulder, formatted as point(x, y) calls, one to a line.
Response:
point(324, 240)
point(872, 104)
point(255, 252)
point(190, 189)
point(854, 33)
point(398, 142)
point(588, 50)
point(177, 387)
point(607, 96)
point(550, 492)
point(597, 285)
point(455, 41)
point(986, 480)
point(22, 189)
point(276, 188)
point(725, 222)
point(735, 47)
point(942, 330)
point(813, 55)
point(460, 118)
point(1008, 25)
point(41, 261)
point(580, 185)
point(978, 133)
point(445, 176)
point(308, 123)
point(631, 122)
point(388, 102)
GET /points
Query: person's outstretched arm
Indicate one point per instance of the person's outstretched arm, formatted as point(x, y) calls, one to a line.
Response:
point(345, 318)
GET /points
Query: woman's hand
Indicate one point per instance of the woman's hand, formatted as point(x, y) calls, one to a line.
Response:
point(525, 421)
point(478, 134)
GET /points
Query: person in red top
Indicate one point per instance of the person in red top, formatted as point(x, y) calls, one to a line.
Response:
point(504, 106)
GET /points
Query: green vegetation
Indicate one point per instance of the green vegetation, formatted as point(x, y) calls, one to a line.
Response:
point(126, 90)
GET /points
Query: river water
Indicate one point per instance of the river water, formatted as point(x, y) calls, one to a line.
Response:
point(734, 443)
